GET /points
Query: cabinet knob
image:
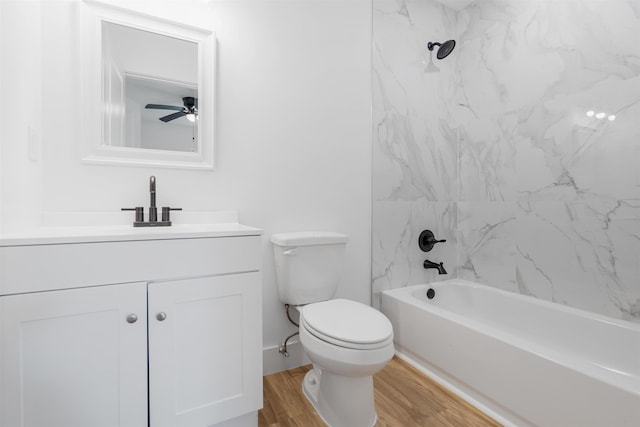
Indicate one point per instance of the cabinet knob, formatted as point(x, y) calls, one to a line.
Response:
point(161, 316)
point(132, 318)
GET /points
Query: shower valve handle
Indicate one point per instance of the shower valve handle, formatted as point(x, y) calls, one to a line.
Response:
point(427, 240)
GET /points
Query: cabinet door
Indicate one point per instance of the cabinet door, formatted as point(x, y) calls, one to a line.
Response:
point(205, 356)
point(70, 358)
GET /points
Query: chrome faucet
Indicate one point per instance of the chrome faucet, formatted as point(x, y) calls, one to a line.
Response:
point(153, 210)
point(439, 267)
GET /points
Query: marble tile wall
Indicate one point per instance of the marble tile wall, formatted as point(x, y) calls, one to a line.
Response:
point(415, 152)
point(496, 152)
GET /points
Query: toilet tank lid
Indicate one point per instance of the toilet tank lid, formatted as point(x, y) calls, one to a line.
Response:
point(306, 238)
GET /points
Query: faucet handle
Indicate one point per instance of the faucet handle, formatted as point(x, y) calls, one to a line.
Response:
point(166, 211)
point(139, 212)
point(427, 240)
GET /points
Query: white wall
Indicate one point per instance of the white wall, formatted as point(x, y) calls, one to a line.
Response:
point(2, 37)
point(20, 105)
point(293, 131)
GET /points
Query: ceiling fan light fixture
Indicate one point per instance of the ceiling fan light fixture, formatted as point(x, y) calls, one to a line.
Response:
point(189, 109)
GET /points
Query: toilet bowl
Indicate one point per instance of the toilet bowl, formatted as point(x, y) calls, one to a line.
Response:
point(348, 343)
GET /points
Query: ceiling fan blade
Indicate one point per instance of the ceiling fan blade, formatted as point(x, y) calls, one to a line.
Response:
point(163, 107)
point(172, 116)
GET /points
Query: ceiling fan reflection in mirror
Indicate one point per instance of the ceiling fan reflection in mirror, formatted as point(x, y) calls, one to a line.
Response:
point(190, 109)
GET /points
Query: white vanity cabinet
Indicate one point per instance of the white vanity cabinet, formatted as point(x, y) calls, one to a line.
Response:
point(202, 334)
point(70, 358)
point(155, 332)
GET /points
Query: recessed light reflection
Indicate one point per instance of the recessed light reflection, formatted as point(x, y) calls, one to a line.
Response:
point(600, 115)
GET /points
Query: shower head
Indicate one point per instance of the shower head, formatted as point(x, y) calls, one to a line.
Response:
point(444, 50)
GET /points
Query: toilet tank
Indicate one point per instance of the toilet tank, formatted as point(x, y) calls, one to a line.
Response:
point(308, 265)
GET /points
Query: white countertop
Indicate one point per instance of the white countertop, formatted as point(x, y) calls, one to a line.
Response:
point(89, 234)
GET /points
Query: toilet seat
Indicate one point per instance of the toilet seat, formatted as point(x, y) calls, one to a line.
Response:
point(347, 324)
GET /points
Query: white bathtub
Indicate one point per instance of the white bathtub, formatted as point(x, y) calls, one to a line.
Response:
point(522, 360)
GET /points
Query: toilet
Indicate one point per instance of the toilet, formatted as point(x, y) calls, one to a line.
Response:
point(346, 341)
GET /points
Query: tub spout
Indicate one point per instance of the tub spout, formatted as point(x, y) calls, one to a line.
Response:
point(438, 266)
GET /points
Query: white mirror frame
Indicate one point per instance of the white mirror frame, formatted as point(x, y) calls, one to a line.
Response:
point(92, 14)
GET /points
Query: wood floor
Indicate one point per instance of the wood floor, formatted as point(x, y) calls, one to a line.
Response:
point(404, 398)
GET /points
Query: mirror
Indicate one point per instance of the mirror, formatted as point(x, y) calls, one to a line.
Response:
point(149, 101)
point(159, 115)
point(147, 90)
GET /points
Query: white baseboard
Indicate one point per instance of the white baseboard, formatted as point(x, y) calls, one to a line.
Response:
point(246, 420)
point(468, 394)
point(273, 361)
